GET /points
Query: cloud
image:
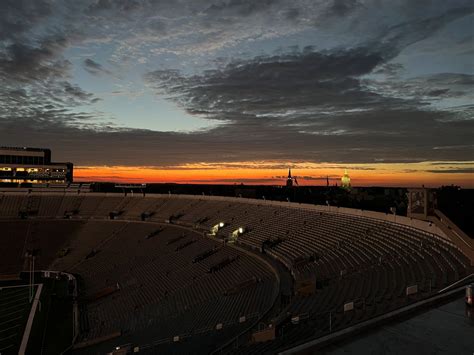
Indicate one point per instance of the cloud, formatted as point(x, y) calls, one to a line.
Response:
point(237, 181)
point(94, 68)
point(451, 162)
point(290, 99)
point(343, 7)
point(76, 94)
point(19, 17)
point(316, 104)
point(239, 7)
point(26, 63)
point(453, 171)
point(434, 88)
point(278, 86)
point(310, 178)
point(36, 86)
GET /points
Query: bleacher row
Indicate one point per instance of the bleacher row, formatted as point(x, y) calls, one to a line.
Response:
point(161, 291)
point(157, 284)
point(367, 261)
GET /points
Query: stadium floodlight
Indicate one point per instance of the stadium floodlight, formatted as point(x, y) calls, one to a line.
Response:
point(216, 228)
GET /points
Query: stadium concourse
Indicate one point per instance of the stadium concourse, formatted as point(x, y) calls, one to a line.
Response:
point(199, 274)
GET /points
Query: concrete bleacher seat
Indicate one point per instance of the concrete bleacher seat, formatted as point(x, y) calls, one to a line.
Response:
point(58, 186)
point(10, 204)
point(49, 205)
point(351, 258)
point(48, 237)
point(166, 285)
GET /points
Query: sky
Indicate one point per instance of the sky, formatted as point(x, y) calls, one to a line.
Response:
point(238, 91)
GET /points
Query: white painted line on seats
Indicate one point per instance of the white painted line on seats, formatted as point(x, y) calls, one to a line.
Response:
point(455, 283)
point(29, 324)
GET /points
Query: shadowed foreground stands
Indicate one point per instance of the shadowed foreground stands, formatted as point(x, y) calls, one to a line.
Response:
point(152, 275)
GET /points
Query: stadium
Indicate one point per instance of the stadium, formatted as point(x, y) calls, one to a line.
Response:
point(236, 177)
point(94, 273)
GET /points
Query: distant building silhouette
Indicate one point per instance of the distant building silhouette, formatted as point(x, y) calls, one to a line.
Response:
point(32, 165)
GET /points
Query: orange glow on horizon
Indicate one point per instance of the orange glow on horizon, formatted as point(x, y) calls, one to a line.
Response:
point(429, 174)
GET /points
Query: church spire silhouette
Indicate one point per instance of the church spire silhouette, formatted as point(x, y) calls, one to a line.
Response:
point(289, 180)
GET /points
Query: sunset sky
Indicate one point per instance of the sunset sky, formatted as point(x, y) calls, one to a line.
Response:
point(237, 91)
